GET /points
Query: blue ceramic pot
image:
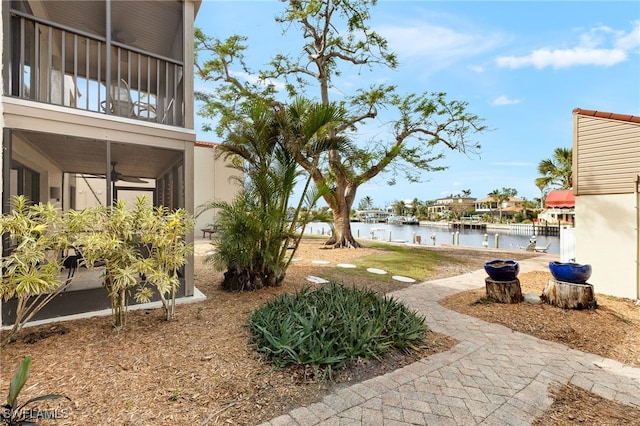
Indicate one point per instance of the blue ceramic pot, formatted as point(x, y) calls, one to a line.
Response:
point(570, 272)
point(502, 270)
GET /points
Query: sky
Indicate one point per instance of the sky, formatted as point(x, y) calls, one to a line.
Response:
point(521, 66)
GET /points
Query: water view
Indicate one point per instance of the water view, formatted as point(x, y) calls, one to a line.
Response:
point(424, 235)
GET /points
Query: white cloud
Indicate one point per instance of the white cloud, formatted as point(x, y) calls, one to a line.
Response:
point(600, 46)
point(630, 41)
point(439, 44)
point(476, 68)
point(504, 100)
point(564, 58)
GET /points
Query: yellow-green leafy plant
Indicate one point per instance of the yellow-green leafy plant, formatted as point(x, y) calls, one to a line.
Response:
point(139, 248)
point(37, 235)
point(111, 240)
point(164, 250)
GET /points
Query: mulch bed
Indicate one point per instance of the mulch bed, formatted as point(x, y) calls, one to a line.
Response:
point(200, 370)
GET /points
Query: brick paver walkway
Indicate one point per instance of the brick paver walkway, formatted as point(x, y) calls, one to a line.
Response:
point(494, 376)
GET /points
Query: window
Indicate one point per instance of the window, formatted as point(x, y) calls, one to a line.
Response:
point(25, 181)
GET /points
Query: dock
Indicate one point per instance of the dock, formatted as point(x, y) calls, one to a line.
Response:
point(467, 225)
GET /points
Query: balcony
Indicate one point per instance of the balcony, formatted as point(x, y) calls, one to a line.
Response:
point(100, 71)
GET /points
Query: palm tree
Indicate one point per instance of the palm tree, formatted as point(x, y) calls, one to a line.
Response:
point(366, 203)
point(398, 207)
point(541, 186)
point(415, 207)
point(527, 205)
point(257, 227)
point(502, 195)
point(557, 172)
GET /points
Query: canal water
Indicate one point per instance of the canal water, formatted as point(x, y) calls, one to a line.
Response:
point(508, 240)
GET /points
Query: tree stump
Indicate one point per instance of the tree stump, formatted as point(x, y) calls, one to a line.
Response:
point(504, 291)
point(569, 295)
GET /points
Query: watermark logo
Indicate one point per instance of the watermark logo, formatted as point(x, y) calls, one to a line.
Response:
point(20, 415)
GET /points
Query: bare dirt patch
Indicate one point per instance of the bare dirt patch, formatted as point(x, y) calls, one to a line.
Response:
point(200, 370)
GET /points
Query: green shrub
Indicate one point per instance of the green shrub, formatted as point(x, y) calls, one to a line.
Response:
point(331, 326)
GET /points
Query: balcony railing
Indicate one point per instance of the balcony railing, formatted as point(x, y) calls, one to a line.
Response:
point(59, 65)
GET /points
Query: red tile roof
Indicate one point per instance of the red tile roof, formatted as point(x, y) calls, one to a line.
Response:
point(609, 115)
point(206, 144)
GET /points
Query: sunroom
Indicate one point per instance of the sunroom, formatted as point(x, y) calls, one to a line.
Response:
point(97, 107)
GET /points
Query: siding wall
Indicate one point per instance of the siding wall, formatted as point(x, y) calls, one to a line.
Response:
point(606, 155)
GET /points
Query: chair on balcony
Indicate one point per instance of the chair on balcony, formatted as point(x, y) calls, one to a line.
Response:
point(166, 111)
point(123, 105)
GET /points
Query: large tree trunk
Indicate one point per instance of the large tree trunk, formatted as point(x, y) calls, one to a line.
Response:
point(342, 236)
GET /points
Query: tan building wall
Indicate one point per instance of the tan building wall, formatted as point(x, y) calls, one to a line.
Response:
point(607, 239)
point(606, 169)
point(212, 182)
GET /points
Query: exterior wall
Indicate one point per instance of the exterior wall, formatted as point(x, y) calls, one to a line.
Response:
point(607, 239)
point(50, 175)
point(212, 182)
point(605, 180)
point(92, 192)
point(458, 205)
point(598, 167)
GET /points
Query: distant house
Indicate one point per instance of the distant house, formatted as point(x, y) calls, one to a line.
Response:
point(606, 178)
point(559, 207)
point(406, 206)
point(372, 215)
point(451, 206)
point(489, 205)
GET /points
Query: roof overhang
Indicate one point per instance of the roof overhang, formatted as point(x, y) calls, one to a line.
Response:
point(560, 198)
